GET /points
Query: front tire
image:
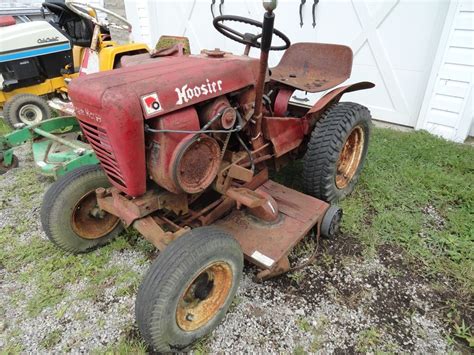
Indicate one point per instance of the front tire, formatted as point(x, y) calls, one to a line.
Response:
point(336, 152)
point(188, 289)
point(27, 109)
point(69, 212)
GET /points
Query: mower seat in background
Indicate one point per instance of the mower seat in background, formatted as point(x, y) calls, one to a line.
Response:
point(7, 21)
point(131, 60)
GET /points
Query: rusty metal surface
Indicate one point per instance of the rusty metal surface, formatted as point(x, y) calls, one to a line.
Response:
point(196, 164)
point(285, 133)
point(313, 67)
point(155, 234)
point(264, 244)
point(204, 297)
point(228, 203)
point(267, 211)
point(350, 157)
point(335, 96)
point(88, 221)
point(129, 210)
point(246, 197)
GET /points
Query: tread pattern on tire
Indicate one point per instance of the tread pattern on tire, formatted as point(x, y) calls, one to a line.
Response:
point(10, 106)
point(180, 252)
point(322, 154)
point(50, 197)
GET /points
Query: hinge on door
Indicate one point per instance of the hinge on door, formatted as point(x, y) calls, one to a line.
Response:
point(302, 99)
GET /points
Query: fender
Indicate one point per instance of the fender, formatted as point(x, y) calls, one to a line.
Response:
point(334, 96)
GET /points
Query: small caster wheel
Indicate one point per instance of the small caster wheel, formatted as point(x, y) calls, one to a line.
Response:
point(331, 223)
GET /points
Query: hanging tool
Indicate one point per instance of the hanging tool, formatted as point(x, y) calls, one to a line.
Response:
point(316, 2)
point(301, 12)
point(212, 8)
point(220, 6)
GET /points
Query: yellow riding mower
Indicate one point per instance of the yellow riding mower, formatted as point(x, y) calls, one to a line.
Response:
point(38, 59)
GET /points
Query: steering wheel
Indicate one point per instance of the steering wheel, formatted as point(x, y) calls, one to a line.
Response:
point(247, 38)
point(82, 9)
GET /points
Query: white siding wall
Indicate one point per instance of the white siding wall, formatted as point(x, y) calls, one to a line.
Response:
point(448, 108)
point(138, 15)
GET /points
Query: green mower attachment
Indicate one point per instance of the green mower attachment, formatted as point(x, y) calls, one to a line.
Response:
point(56, 144)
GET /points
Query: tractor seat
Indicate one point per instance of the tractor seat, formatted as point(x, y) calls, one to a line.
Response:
point(313, 67)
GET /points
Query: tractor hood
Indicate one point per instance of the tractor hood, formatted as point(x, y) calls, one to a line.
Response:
point(164, 86)
point(30, 39)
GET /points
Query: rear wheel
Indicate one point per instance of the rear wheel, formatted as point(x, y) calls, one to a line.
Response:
point(69, 213)
point(188, 289)
point(27, 109)
point(336, 151)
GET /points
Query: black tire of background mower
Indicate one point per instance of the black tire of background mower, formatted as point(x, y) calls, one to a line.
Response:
point(12, 107)
point(170, 273)
point(58, 203)
point(327, 140)
point(14, 164)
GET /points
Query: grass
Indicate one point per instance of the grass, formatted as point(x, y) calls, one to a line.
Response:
point(405, 173)
point(417, 192)
point(4, 129)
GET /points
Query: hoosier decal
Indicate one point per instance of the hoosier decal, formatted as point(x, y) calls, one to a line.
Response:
point(186, 93)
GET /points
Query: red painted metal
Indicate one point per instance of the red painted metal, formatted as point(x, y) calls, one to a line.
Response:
point(285, 133)
point(114, 103)
point(7, 21)
point(265, 244)
point(282, 99)
point(335, 95)
point(162, 154)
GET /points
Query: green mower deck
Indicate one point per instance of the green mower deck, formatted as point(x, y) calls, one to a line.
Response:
point(57, 148)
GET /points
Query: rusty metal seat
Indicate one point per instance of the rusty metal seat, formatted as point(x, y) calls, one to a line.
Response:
point(313, 67)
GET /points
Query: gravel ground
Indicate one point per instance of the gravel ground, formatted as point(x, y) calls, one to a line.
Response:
point(346, 302)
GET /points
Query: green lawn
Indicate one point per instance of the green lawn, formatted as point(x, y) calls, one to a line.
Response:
point(416, 191)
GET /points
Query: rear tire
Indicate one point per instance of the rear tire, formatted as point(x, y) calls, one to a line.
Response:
point(178, 301)
point(67, 212)
point(336, 152)
point(27, 109)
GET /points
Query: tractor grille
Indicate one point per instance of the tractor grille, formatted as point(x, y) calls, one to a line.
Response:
point(98, 139)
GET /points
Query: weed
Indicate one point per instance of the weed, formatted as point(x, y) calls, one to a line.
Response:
point(368, 340)
point(51, 339)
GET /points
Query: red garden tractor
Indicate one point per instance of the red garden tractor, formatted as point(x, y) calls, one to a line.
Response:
point(185, 145)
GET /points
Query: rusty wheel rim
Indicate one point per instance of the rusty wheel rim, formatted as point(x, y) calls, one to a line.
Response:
point(90, 222)
point(204, 297)
point(350, 157)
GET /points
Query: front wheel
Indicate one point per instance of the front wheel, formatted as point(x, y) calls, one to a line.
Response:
point(69, 213)
point(188, 289)
point(27, 109)
point(337, 151)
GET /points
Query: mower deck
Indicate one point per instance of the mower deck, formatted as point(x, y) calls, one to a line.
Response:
point(265, 244)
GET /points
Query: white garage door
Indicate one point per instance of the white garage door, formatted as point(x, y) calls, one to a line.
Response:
point(394, 42)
